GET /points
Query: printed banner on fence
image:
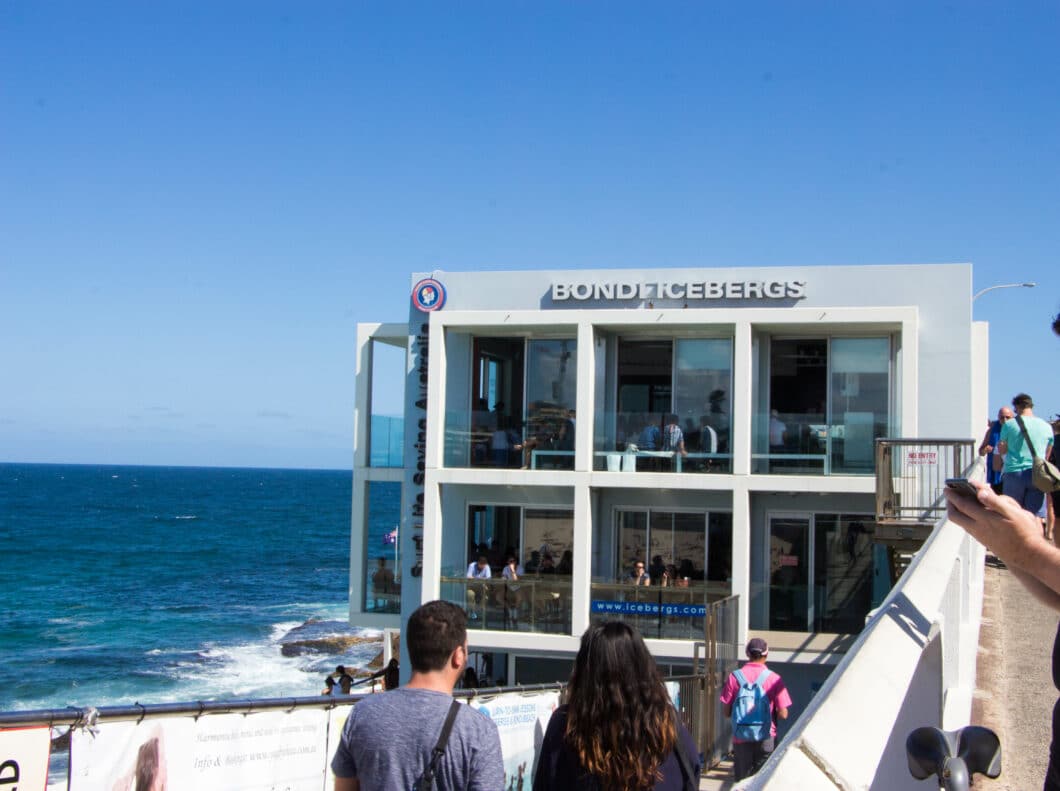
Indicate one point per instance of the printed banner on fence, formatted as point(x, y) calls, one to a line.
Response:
point(649, 608)
point(265, 751)
point(521, 721)
point(24, 758)
point(336, 722)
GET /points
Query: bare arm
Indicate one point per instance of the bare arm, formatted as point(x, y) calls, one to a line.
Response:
point(1015, 536)
point(782, 714)
point(985, 447)
point(347, 784)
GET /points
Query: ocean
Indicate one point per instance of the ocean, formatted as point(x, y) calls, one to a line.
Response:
point(159, 584)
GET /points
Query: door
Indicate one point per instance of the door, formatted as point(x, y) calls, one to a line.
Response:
point(790, 605)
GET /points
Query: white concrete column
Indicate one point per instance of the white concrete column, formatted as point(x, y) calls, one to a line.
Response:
point(583, 425)
point(909, 363)
point(741, 555)
point(362, 402)
point(741, 404)
point(583, 558)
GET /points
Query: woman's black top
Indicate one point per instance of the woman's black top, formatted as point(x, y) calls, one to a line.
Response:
point(558, 767)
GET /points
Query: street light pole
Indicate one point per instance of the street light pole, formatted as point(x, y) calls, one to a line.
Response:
point(1004, 285)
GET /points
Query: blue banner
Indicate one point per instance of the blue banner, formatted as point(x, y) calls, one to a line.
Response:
point(649, 608)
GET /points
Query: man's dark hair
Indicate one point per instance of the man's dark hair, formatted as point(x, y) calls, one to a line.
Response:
point(433, 632)
point(1022, 401)
point(1056, 324)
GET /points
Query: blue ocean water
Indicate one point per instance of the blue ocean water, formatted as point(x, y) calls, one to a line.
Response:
point(160, 584)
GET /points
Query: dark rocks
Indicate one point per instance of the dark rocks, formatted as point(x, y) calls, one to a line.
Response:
point(332, 644)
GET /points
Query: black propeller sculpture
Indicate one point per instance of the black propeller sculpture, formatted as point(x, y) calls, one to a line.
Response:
point(953, 756)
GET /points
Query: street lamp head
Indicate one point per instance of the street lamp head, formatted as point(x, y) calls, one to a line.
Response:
point(1002, 285)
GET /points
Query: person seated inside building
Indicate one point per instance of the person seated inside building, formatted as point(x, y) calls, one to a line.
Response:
point(639, 575)
point(566, 563)
point(384, 588)
point(477, 593)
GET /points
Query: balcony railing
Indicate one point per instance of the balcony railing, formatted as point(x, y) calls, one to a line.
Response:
point(536, 603)
point(911, 474)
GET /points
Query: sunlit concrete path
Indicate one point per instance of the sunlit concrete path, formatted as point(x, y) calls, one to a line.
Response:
point(1015, 693)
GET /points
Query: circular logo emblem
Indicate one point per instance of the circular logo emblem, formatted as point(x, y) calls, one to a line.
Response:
point(428, 295)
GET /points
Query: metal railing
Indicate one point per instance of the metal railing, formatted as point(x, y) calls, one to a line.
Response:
point(911, 474)
point(536, 603)
point(696, 699)
point(76, 716)
point(713, 730)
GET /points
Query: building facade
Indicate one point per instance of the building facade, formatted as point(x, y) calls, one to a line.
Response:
point(713, 426)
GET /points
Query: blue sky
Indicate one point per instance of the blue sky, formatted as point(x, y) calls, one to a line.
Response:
point(199, 201)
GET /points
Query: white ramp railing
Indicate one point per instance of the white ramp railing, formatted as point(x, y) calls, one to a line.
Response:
point(913, 665)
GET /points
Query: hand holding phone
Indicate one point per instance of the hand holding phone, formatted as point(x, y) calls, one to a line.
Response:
point(962, 486)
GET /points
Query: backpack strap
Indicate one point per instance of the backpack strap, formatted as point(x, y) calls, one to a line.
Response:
point(427, 781)
point(741, 679)
point(691, 783)
point(1026, 437)
point(761, 679)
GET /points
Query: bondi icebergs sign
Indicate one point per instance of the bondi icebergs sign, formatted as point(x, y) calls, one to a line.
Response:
point(703, 290)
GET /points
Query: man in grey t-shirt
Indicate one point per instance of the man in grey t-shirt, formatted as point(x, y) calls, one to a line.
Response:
point(388, 738)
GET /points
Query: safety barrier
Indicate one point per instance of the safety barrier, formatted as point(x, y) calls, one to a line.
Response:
point(913, 665)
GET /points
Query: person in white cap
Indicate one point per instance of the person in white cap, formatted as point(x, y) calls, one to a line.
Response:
point(754, 697)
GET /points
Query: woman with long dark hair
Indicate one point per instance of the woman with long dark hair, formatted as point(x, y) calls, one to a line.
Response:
point(618, 731)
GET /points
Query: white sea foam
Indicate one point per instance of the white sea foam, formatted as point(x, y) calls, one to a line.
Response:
point(259, 669)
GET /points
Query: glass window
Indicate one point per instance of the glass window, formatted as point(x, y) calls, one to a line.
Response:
point(645, 382)
point(382, 573)
point(632, 541)
point(836, 552)
point(843, 572)
point(386, 433)
point(828, 401)
point(672, 548)
point(497, 401)
point(551, 396)
point(702, 384)
point(534, 596)
point(860, 379)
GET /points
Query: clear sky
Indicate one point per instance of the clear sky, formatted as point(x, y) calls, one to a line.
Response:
point(199, 201)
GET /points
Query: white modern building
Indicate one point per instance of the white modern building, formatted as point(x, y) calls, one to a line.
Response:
point(539, 415)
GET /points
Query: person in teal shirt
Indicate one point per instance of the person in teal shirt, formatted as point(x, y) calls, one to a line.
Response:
point(1016, 478)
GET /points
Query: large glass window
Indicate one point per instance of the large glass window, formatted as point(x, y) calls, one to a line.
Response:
point(497, 402)
point(702, 383)
point(821, 569)
point(551, 377)
point(825, 403)
point(520, 397)
point(860, 385)
point(671, 407)
point(668, 566)
point(519, 567)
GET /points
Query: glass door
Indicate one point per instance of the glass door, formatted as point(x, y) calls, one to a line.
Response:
point(790, 606)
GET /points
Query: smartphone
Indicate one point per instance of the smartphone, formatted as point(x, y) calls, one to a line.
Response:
point(962, 485)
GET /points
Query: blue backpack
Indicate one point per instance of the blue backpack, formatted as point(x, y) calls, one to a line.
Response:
point(752, 717)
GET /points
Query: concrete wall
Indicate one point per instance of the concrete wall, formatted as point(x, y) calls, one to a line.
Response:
point(913, 665)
